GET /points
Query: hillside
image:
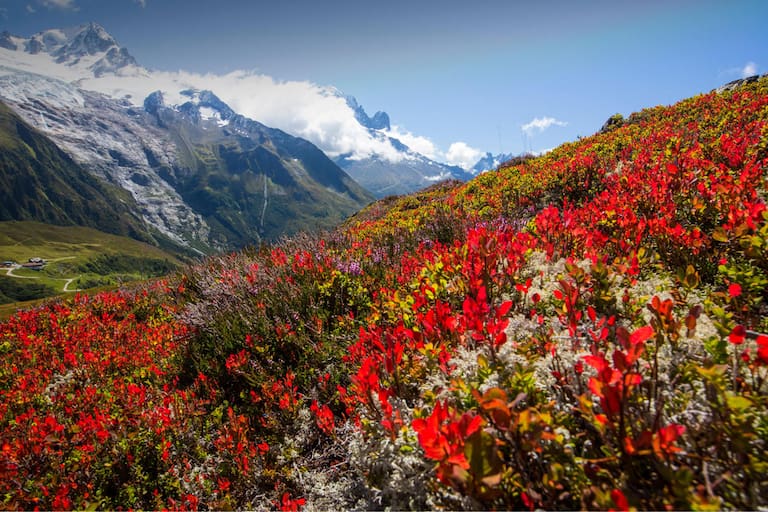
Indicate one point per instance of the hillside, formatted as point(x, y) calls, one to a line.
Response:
point(40, 182)
point(76, 258)
point(247, 181)
point(583, 330)
point(205, 177)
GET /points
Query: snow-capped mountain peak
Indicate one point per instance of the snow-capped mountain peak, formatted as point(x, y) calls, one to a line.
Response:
point(89, 39)
point(379, 121)
point(402, 169)
point(205, 105)
point(88, 49)
point(9, 41)
point(490, 162)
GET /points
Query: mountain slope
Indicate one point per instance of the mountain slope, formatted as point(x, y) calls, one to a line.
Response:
point(77, 258)
point(250, 181)
point(587, 329)
point(40, 182)
point(175, 165)
point(112, 141)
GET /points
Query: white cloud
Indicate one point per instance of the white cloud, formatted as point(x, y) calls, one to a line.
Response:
point(142, 3)
point(463, 155)
point(417, 143)
point(67, 5)
point(317, 113)
point(459, 153)
point(30, 9)
point(300, 108)
point(749, 69)
point(539, 124)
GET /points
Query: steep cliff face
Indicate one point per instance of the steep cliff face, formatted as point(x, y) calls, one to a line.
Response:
point(38, 181)
point(113, 141)
point(199, 173)
point(248, 181)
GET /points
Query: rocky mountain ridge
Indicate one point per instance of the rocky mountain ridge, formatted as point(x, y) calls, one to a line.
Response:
point(191, 168)
point(41, 182)
point(383, 176)
point(89, 47)
point(90, 57)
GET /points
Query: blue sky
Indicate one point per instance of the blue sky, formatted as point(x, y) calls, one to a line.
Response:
point(500, 76)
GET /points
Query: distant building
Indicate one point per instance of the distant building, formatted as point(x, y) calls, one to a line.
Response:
point(8, 263)
point(36, 260)
point(34, 265)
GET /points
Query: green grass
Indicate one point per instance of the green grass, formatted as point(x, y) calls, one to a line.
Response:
point(90, 257)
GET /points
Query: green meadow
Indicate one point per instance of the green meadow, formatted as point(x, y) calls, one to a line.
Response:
point(77, 258)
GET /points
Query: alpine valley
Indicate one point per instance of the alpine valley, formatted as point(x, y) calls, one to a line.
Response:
point(180, 167)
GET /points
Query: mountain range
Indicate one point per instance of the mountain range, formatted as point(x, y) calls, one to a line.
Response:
point(191, 168)
point(39, 181)
point(196, 172)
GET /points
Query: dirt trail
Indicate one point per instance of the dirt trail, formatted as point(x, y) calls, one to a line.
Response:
point(9, 273)
point(68, 282)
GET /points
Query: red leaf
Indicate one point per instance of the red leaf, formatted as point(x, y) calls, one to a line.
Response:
point(597, 362)
point(664, 440)
point(619, 500)
point(641, 335)
point(596, 386)
point(762, 348)
point(623, 336)
point(504, 309)
point(527, 500)
point(737, 335)
point(620, 360)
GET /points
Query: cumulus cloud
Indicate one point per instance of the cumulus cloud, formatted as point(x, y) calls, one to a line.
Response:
point(417, 143)
point(539, 124)
point(463, 155)
point(142, 3)
point(317, 113)
point(66, 5)
point(749, 69)
point(459, 153)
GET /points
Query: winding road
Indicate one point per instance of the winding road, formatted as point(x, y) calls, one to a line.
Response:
point(9, 273)
point(67, 281)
